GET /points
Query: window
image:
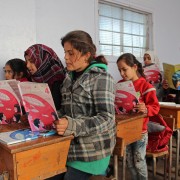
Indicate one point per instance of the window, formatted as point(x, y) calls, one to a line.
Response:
point(123, 30)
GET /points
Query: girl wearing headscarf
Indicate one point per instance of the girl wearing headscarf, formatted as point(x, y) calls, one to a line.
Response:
point(44, 66)
point(163, 92)
point(150, 58)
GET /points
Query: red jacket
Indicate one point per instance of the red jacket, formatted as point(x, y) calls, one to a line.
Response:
point(147, 94)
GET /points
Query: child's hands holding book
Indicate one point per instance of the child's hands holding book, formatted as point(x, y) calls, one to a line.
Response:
point(61, 125)
point(140, 107)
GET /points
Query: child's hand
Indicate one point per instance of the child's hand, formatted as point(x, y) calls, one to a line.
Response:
point(61, 125)
point(141, 107)
point(165, 84)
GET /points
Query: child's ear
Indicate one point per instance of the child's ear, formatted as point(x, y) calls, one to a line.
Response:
point(135, 67)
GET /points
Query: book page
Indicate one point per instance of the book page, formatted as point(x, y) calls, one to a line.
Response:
point(39, 105)
point(171, 74)
point(125, 97)
point(153, 74)
point(10, 108)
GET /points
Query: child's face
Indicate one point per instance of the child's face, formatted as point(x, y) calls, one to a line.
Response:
point(8, 72)
point(147, 59)
point(127, 72)
point(30, 65)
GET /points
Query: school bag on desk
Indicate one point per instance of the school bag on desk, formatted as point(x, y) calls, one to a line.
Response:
point(158, 134)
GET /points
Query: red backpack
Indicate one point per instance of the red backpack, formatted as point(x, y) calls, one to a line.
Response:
point(158, 134)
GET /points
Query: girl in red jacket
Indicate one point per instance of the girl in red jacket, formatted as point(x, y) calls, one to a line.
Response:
point(131, 69)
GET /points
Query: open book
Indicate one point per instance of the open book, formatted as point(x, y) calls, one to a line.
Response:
point(153, 74)
point(38, 104)
point(172, 75)
point(125, 97)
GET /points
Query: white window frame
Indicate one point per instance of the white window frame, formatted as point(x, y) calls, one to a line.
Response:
point(149, 35)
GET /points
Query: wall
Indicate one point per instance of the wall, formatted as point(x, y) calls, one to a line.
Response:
point(25, 22)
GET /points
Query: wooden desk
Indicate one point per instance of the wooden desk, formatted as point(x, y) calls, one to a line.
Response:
point(35, 159)
point(173, 111)
point(129, 129)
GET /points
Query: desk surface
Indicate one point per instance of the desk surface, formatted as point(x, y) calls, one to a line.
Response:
point(121, 118)
point(22, 146)
point(172, 111)
point(32, 159)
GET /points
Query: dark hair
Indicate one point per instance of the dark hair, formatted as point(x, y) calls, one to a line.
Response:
point(18, 108)
point(83, 42)
point(36, 122)
point(18, 117)
point(55, 115)
point(131, 60)
point(1, 116)
point(17, 66)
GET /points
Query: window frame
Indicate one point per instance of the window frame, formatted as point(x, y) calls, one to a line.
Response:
point(149, 41)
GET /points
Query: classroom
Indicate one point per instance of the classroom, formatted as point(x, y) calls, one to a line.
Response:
point(150, 25)
point(24, 23)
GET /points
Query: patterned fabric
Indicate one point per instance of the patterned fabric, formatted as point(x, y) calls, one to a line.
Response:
point(88, 104)
point(48, 64)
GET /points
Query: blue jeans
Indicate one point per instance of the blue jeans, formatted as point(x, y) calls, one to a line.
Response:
point(136, 158)
point(71, 174)
point(75, 174)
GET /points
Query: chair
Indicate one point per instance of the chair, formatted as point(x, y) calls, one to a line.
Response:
point(170, 121)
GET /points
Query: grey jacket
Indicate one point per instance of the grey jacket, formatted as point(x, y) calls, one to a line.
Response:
point(88, 104)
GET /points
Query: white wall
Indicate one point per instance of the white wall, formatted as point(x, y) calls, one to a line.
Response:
point(25, 22)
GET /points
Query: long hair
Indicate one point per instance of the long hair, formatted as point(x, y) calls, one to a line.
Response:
point(82, 41)
point(131, 60)
point(18, 66)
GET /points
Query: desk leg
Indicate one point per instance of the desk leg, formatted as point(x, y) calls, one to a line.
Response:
point(116, 166)
point(124, 164)
point(170, 159)
point(177, 154)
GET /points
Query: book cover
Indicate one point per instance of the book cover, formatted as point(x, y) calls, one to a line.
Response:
point(39, 105)
point(153, 74)
point(125, 97)
point(172, 75)
point(10, 108)
point(17, 136)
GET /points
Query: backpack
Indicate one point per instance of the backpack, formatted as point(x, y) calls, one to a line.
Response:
point(158, 134)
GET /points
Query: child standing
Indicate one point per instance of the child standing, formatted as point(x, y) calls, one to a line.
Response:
point(87, 110)
point(15, 69)
point(131, 69)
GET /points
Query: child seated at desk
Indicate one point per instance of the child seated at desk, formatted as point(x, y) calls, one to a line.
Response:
point(131, 69)
point(163, 92)
point(15, 69)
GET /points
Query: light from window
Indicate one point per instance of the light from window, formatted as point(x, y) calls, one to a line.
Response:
point(122, 30)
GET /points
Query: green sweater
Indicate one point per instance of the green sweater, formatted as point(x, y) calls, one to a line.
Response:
point(94, 167)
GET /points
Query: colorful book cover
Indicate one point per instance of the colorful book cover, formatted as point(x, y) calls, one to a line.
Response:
point(39, 105)
point(10, 108)
point(125, 98)
point(17, 136)
point(172, 75)
point(153, 74)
